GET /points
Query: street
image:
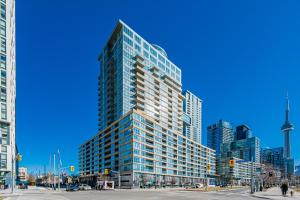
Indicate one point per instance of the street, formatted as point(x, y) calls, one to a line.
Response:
point(171, 194)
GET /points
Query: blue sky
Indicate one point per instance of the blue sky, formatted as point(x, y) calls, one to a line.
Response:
point(240, 57)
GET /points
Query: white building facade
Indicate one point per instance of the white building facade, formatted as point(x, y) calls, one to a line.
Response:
point(8, 90)
point(192, 106)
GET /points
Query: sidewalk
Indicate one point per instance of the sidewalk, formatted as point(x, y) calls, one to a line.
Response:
point(275, 193)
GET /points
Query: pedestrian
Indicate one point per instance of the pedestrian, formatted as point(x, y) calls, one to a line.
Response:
point(292, 193)
point(261, 188)
point(281, 187)
point(285, 189)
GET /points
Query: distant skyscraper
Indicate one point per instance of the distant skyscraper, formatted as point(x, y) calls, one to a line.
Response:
point(192, 106)
point(242, 132)
point(246, 149)
point(8, 90)
point(218, 133)
point(286, 128)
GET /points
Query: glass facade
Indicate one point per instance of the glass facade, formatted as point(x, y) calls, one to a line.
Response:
point(141, 118)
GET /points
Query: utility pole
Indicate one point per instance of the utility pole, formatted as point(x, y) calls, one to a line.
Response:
point(58, 177)
point(12, 173)
point(119, 179)
point(252, 174)
point(54, 182)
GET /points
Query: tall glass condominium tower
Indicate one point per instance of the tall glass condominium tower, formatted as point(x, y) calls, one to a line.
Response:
point(8, 88)
point(192, 106)
point(141, 118)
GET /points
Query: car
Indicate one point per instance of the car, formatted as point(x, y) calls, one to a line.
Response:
point(23, 186)
point(84, 187)
point(72, 188)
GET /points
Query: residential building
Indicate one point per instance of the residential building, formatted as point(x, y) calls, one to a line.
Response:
point(141, 118)
point(192, 106)
point(23, 174)
point(239, 173)
point(7, 91)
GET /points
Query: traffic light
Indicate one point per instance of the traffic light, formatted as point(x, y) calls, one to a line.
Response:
point(231, 163)
point(106, 171)
point(19, 157)
point(208, 167)
point(72, 168)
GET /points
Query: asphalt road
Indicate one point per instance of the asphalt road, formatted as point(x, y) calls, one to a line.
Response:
point(134, 195)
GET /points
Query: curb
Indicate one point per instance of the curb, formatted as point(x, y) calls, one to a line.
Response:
point(260, 197)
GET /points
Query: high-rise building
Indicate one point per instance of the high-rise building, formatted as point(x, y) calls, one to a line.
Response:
point(242, 132)
point(286, 128)
point(218, 133)
point(192, 106)
point(141, 118)
point(297, 170)
point(8, 89)
point(246, 149)
point(273, 157)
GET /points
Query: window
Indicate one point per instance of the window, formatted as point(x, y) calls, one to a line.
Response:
point(146, 46)
point(128, 41)
point(137, 47)
point(153, 52)
point(3, 149)
point(146, 54)
point(128, 32)
point(3, 111)
point(3, 95)
point(137, 39)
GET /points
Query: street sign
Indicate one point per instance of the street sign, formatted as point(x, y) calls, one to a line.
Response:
point(231, 163)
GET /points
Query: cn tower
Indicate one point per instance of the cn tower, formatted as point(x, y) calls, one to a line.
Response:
point(286, 128)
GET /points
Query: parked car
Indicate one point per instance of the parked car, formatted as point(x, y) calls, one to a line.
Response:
point(23, 186)
point(72, 188)
point(84, 187)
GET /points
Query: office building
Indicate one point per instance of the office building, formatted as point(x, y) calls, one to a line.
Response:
point(297, 170)
point(141, 118)
point(246, 149)
point(218, 133)
point(273, 157)
point(242, 132)
point(8, 90)
point(192, 106)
